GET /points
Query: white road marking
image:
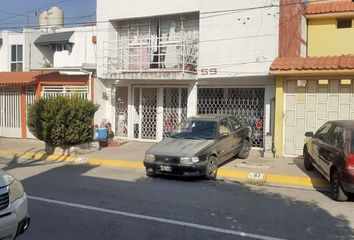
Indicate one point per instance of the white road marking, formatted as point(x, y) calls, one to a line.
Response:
point(156, 219)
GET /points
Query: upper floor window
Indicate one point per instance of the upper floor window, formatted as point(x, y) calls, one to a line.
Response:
point(16, 58)
point(344, 23)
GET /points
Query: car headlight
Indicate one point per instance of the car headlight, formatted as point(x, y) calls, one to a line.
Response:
point(189, 160)
point(15, 188)
point(149, 157)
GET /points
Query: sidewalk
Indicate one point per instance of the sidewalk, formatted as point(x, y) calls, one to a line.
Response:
point(286, 172)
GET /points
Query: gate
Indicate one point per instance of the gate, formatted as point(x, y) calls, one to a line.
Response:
point(121, 117)
point(10, 112)
point(145, 113)
point(30, 98)
point(245, 103)
point(53, 91)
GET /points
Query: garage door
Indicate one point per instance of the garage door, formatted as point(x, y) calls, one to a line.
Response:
point(309, 106)
point(245, 103)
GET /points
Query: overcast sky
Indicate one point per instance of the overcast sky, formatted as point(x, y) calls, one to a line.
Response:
point(15, 14)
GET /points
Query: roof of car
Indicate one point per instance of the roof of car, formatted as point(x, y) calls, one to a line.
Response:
point(344, 123)
point(210, 117)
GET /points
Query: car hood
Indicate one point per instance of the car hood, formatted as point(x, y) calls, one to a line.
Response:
point(179, 147)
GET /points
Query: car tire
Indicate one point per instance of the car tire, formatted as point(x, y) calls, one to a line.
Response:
point(245, 150)
point(307, 160)
point(337, 191)
point(212, 168)
point(150, 174)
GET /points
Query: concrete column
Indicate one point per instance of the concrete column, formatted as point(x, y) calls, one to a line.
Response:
point(279, 115)
point(192, 100)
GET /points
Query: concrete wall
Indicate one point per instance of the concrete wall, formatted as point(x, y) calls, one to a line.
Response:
point(9, 38)
point(83, 49)
point(323, 38)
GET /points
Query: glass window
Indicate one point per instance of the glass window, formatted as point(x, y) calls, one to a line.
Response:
point(344, 23)
point(16, 58)
point(335, 138)
point(235, 123)
point(195, 129)
point(322, 132)
point(224, 127)
point(352, 150)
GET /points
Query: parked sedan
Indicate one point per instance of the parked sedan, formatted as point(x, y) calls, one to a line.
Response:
point(14, 219)
point(331, 151)
point(198, 146)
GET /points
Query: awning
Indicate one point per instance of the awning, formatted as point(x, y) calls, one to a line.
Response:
point(18, 78)
point(54, 38)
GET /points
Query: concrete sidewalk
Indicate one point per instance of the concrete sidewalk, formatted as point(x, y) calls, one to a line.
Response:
point(287, 172)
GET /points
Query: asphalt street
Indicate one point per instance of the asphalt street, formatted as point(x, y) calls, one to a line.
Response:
point(68, 201)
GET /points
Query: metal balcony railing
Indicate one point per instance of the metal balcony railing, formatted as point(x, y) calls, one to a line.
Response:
point(151, 54)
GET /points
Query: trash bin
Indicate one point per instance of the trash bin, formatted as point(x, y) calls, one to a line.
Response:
point(102, 133)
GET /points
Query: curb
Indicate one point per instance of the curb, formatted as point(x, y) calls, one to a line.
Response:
point(250, 177)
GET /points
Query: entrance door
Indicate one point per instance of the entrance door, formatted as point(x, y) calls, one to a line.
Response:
point(145, 113)
point(10, 113)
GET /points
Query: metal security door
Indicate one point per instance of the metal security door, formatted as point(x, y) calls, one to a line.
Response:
point(10, 113)
point(30, 98)
point(145, 113)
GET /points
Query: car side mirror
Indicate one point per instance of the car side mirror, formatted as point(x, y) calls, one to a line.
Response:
point(309, 134)
point(223, 135)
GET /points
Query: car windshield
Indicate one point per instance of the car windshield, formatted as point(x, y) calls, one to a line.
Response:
point(195, 129)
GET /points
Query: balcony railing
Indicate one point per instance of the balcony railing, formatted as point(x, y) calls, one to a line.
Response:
point(151, 55)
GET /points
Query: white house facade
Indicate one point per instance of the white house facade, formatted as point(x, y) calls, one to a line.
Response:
point(160, 63)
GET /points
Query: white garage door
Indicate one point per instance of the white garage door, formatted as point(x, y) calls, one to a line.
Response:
point(10, 115)
point(307, 108)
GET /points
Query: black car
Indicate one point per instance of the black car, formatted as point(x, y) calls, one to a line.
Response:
point(331, 151)
point(199, 145)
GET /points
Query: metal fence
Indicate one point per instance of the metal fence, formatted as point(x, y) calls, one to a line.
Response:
point(53, 91)
point(245, 103)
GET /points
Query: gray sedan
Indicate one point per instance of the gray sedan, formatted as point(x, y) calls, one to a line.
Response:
point(198, 146)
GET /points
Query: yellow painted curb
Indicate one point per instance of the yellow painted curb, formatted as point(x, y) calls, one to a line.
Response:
point(241, 175)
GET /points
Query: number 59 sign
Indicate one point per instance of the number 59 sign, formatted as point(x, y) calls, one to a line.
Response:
point(208, 71)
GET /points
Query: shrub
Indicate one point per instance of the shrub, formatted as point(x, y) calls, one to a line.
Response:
point(62, 121)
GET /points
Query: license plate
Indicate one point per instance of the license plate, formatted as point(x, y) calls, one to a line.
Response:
point(255, 176)
point(166, 168)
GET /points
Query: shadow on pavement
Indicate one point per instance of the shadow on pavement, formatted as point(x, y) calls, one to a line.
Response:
point(218, 204)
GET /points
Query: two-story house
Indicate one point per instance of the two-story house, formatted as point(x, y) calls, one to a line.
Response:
point(162, 61)
point(317, 87)
point(43, 62)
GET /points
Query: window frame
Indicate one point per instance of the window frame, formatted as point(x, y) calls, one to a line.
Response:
point(343, 23)
point(16, 58)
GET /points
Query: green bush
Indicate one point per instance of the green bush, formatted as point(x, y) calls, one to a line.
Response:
point(62, 121)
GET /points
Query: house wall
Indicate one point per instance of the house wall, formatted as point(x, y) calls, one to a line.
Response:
point(323, 38)
point(83, 50)
point(9, 38)
point(33, 56)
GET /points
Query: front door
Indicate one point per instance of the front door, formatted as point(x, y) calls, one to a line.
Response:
point(145, 113)
point(10, 112)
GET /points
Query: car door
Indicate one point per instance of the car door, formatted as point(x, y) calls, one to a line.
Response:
point(333, 149)
point(239, 133)
point(226, 139)
point(317, 144)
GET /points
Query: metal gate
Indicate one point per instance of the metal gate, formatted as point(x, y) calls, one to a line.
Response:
point(245, 103)
point(121, 118)
point(145, 113)
point(30, 98)
point(174, 108)
point(10, 112)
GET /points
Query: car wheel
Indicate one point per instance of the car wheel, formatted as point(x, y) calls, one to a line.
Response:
point(245, 151)
point(337, 191)
point(212, 168)
point(150, 174)
point(307, 160)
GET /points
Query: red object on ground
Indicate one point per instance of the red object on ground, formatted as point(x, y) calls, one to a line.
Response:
point(259, 124)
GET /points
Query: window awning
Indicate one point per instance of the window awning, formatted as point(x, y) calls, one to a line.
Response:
point(54, 38)
point(18, 78)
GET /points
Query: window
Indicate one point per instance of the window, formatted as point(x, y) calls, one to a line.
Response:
point(236, 124)
point(344, 23)
point(16, 58)
point(322, 132)
point(224, 127)
point(335, 138)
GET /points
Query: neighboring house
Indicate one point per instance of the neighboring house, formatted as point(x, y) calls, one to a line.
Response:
point(317, 87)
point(42, 63)
point(161, 62)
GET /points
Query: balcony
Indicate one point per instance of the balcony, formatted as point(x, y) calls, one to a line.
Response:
point(151, 58)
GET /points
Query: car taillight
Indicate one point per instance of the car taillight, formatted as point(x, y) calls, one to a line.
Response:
point(350, 162)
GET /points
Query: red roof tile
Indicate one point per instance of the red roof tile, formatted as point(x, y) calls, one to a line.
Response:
point(344, 62)
point(334, 6)
point(18, 78)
